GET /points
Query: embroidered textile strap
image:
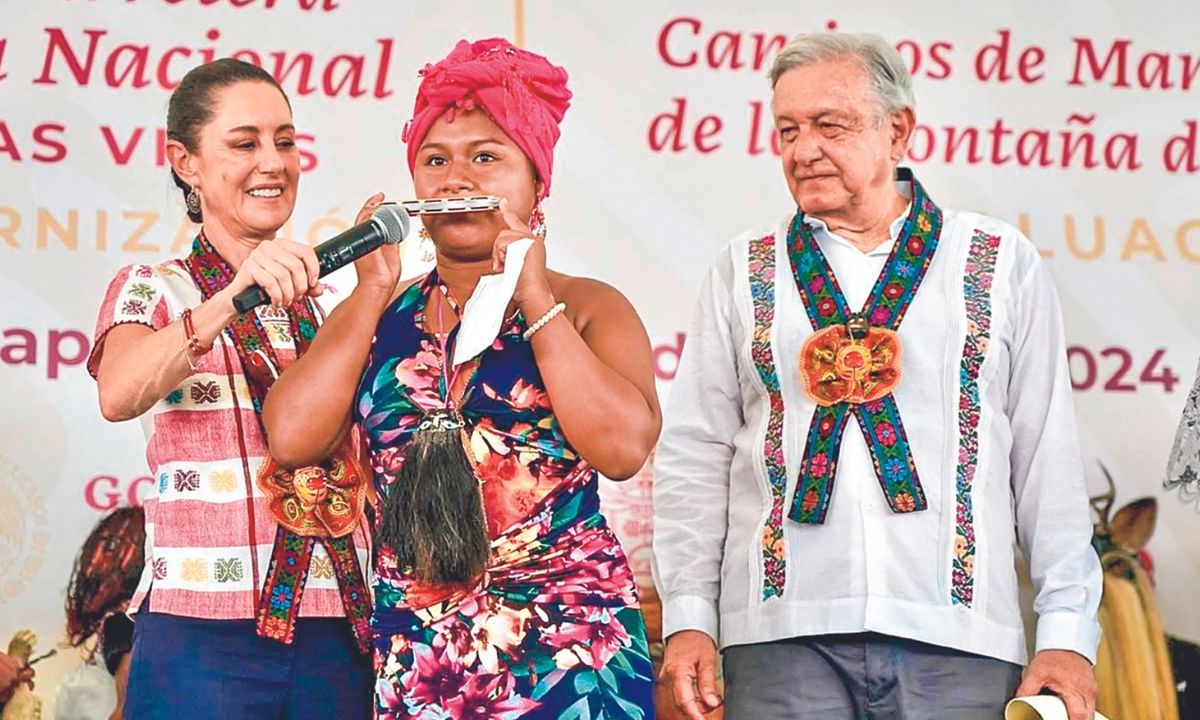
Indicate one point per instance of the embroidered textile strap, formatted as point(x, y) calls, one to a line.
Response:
point(279, 602)
point(287, 576)
point(879, 419)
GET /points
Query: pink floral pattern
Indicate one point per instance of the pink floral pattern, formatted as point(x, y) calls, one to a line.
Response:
point(553, 628)
point(762, 292)
point(977, 294)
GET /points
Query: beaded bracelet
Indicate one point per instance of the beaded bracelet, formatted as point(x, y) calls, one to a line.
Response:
point(192, 345)
point(541, 322)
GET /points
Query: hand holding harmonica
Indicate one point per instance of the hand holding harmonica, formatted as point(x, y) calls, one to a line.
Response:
point(374, 226)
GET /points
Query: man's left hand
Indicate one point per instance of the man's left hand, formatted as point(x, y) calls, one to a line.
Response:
point(1068, 675)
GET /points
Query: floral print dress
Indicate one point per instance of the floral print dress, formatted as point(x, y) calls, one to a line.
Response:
point(553, 629)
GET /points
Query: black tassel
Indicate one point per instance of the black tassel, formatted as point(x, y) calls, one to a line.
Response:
point(433, 516)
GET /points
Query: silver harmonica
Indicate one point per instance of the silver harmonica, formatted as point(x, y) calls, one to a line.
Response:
point(445, 206)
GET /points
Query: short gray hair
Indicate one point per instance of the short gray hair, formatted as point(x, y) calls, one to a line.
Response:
point(886, 72)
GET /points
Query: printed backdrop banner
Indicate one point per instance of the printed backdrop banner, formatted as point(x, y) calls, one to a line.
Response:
point(1078, 126)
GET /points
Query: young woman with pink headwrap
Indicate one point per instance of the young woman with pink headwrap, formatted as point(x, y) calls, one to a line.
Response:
point(500, 590)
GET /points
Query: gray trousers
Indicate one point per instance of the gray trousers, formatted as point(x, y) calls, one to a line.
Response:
point(863, 677)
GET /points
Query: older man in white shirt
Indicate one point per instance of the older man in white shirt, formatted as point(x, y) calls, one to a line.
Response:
point(872, 409)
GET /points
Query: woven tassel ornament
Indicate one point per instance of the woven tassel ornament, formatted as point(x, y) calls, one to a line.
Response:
point(433, 517)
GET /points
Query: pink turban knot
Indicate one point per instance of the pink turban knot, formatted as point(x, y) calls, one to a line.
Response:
point(520, 91)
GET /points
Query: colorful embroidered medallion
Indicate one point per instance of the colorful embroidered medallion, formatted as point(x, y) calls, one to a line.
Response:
point(318, 503)
point(851, 364)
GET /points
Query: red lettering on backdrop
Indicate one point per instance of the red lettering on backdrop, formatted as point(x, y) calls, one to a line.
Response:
point(123, 146)
point(127, 61)
point(1191, 68)
point(351, 75)
point(57, 357)
point(100, 493)
point(992, 60)
point(105, 492)
point(998, 132)
point(133, 495)
point(1085, 51)
point(1075, 145)
point(939, 53)
point(163, 75)
point(762, 125)
point(706, 130)
point(305, 5)
point(667, 129)
point(8, 146)
point(208, 54)
point(1180, 151)
point(121, 155)
point(723, 49)
point(46, 137)
point(160, 147)
point(65, 348)
point(137, 66)
point(765, 48)
point(666, 358)
point(53, 150)
point(935, 67)
point(284, 67)
point(1119, 68)
point(663, 37)
point(21, 352)
point(308, 158)
point(81, 70)
point(381, 90)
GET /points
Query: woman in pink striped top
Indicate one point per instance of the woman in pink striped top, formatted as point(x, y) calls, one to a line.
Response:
point(243, 608)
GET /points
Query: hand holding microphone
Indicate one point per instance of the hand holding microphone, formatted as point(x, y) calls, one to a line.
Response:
point(277, 271)
point(378, 271)
point(280, 271)
point(283, 271)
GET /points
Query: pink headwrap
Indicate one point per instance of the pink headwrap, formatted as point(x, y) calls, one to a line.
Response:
point(520, 91)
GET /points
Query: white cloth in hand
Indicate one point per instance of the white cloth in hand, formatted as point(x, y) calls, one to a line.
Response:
point(484, 312)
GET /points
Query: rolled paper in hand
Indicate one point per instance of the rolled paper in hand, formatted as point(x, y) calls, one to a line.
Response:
point(1038, 707)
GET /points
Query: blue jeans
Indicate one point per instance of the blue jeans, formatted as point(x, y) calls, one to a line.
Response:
point(191, 668)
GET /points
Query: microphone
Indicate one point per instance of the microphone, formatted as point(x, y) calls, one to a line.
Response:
point(388, 224)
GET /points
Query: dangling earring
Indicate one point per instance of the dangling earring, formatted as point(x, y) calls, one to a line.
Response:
point(537, 221)
point(192, 199)
point(427, 250)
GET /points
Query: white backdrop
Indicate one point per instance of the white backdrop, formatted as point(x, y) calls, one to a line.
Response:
point(1066, 130)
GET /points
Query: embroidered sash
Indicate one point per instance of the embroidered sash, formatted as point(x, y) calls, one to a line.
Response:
point(851, 364)
point(318, 503)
